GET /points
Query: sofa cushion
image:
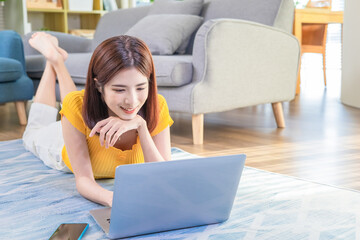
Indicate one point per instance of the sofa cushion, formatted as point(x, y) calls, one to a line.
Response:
point(10, 69)
point(164, 33)
point(173, 71)
point(192, 7)
point(169, 70)
point(78, 65)
point(117, 22)
point(259, 11)
point(35, 65)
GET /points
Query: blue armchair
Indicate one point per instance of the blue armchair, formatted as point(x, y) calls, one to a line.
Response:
point(15, 85)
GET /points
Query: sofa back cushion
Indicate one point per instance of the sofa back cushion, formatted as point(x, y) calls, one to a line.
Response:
point(164, 33)
point(260, 11)
point(187, 7)
point(117, 22)
point(192, 7)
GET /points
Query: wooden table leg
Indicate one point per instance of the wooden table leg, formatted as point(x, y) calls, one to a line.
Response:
point(298, 34)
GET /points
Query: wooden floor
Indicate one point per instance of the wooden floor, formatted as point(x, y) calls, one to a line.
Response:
point(321, 141)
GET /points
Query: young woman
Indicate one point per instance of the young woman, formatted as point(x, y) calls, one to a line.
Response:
point(118, 119)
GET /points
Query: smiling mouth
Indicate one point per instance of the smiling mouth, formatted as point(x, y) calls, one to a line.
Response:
point(128, 110)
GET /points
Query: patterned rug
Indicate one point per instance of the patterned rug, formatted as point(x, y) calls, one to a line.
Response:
point(34, 200)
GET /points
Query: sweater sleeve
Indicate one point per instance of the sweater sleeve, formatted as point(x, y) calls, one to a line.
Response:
point(72, 110)
point(164, 116)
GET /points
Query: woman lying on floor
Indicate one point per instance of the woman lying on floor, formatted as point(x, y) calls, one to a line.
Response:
point(118, 119)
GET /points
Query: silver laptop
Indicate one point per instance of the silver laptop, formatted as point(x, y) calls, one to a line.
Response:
point(161, 196)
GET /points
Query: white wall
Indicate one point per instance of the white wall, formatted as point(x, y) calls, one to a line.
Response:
point(350, 83)
point(15, 16)
point(2, 24)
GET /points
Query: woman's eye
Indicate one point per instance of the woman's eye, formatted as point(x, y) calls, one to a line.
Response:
point(119, 90)
point(140, 89)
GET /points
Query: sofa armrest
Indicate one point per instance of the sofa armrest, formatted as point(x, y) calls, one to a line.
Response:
point(71, 43)
point(239, 63)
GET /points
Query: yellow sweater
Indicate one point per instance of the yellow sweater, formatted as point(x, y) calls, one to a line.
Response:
point(104, 161)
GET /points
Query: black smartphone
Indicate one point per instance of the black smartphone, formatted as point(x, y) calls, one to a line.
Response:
point(69, 231)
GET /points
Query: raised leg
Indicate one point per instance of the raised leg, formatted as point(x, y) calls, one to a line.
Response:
point(55, 67)
point(198, 128)
point(45, 92)
point(20, 108)
point(66, 84)
point(278, 114)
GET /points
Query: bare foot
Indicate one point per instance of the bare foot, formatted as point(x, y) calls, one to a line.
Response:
point(44, 44)
point(55, 41)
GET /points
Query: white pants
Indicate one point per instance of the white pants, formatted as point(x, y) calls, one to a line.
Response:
point(43, 136)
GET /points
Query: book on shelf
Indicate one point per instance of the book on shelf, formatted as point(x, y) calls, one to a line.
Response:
point(87, 33)
point(319, 4)
point(44, 4)
point(110, 5)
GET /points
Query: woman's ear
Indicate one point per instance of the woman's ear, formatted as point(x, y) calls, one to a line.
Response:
point(98, 87)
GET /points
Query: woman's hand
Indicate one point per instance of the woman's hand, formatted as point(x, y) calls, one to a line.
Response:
point(111, 128)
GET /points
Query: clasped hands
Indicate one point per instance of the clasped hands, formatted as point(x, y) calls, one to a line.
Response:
point(111, 129)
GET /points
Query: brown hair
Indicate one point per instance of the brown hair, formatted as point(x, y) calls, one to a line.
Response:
point(109, 58)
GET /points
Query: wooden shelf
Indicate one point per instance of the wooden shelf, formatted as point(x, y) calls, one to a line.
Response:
point(87, 12)
point(45, 10)
point(57, 19)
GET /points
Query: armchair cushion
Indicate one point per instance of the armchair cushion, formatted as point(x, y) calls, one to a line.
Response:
point(10, 70)
point(18, 90)
point(173, 71)
point(165, 33)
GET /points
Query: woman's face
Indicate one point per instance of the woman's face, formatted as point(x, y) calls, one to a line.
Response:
point(126, 93)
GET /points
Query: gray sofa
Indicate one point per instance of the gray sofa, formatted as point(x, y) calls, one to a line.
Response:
point(242, 55)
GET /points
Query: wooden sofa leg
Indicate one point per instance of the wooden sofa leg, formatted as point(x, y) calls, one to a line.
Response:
point(278, 114)
point(20, 108)
point(198, 128)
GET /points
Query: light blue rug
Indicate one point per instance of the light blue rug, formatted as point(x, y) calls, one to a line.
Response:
point(34, 200)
